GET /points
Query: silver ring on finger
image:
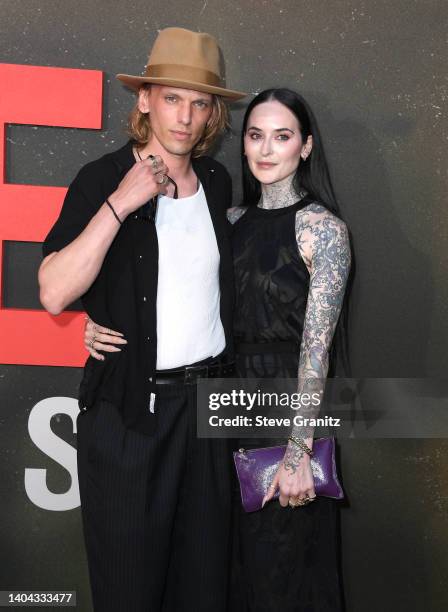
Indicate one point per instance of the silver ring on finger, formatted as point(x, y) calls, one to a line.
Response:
point(92, 342)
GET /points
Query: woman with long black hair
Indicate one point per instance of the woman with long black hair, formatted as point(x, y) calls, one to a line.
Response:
point(292, 262)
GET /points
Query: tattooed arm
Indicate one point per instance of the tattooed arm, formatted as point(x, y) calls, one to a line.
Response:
point(323, 243)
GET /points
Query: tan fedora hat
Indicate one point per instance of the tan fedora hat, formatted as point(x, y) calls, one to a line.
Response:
point(182, 58)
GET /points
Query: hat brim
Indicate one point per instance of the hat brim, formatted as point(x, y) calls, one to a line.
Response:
point(134, 82)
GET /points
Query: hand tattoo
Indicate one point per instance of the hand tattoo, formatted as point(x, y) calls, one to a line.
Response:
point(292, 457)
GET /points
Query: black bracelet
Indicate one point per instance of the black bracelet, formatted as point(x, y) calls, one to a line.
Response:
point(113, 210)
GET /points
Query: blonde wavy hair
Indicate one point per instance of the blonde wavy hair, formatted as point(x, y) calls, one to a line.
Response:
point(139, 125)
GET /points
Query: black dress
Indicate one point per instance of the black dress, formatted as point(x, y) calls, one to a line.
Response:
point(284, 558)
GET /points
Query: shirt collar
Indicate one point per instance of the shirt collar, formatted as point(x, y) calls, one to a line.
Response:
point(124, 158)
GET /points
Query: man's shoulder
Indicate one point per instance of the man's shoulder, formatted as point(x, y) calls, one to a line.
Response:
point(106, 167)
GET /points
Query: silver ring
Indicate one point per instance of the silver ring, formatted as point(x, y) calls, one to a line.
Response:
point(162, 182)
point(92, 342)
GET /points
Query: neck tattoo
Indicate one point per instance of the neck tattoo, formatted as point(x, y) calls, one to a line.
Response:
point(279, 194)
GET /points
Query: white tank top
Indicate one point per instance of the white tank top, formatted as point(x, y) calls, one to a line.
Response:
point(189, 326)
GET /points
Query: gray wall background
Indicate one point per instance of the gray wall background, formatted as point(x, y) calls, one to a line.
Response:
point(375, 75)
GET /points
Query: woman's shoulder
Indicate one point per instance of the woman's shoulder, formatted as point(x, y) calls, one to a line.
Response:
point(235, 213)
point(316, 213)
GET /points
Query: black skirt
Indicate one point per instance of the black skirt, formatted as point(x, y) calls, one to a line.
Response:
point(283, 558)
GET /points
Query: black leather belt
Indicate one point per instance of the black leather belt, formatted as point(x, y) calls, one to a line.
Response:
point(189, 375)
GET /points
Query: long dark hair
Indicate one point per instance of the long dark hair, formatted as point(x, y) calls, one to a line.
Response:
point(313, 175)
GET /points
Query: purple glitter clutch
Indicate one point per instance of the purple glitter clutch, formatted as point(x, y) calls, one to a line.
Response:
point(256, 469)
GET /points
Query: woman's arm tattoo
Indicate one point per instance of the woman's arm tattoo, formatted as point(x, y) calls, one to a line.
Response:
point(325, 236)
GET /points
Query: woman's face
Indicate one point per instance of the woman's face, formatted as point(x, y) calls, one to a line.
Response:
point(273, 142)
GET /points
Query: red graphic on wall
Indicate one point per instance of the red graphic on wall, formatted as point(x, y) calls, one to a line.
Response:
point(38, 95)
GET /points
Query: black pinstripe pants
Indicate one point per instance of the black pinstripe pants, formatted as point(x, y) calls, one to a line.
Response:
point(156, 510)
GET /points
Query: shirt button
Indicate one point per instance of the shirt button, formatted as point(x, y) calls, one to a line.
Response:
point(135, 216)
point(140, 256)
point(148, 338)
point(144, 298)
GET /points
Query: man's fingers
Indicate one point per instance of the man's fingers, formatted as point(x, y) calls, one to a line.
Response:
point(152, 161)
point(160, 168)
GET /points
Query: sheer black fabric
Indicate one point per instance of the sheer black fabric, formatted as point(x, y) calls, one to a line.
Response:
point(283, 558)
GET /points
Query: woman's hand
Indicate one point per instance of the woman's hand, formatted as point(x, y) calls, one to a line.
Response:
point(294, 478)
point(98, 338)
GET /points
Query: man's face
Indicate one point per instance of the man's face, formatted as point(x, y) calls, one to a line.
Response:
point(178, 116)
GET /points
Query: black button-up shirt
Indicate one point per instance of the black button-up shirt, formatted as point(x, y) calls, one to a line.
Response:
point(123, 296)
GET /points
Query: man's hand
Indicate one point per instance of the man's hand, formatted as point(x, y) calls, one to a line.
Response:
point(143, 181)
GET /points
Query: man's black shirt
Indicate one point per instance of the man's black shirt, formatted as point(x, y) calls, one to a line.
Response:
point(123, 296)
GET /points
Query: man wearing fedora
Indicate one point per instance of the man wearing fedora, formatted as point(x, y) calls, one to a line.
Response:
point(142, 239)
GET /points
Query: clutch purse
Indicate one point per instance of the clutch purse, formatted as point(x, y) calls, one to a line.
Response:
point(256, 469)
